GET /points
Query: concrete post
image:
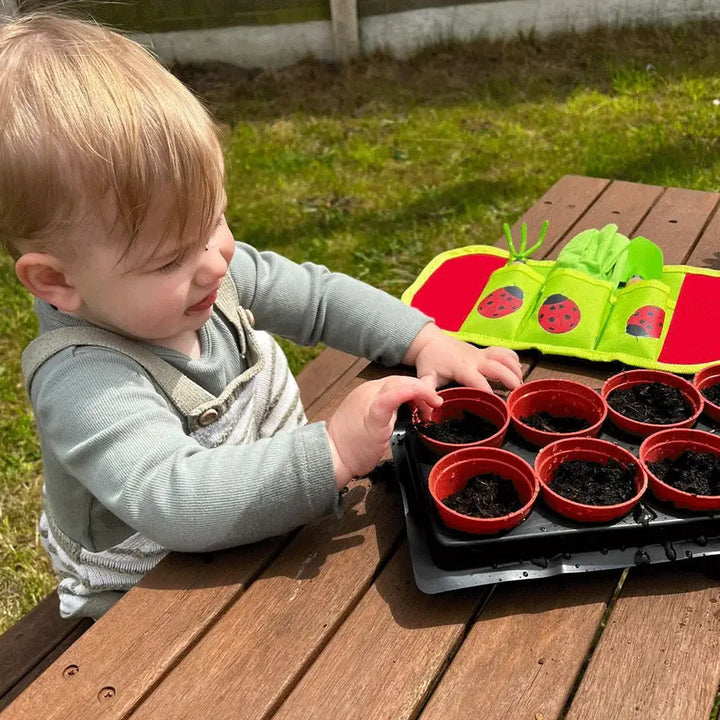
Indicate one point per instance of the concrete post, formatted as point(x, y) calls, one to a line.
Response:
point(346, 34)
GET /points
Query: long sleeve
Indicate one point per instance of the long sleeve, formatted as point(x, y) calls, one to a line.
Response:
point(109, 437)
point(309, 304)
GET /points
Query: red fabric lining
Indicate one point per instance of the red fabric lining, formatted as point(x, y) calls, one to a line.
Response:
point(694, 333)
point(450, 293)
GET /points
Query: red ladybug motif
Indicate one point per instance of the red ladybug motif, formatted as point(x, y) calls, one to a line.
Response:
point(501, 302)
point(646, 321)
point(558, 314)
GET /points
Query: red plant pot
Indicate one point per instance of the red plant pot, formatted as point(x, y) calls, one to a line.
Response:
point(452, 472)
point(550, 458)
point(458, 401)
point(706, 378)
point(562, 398)
point(630, 378)
point(671, 444)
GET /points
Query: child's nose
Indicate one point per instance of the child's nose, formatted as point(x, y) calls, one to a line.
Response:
point(213, 266)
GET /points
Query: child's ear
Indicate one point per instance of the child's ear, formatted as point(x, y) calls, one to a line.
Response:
point(44, 276)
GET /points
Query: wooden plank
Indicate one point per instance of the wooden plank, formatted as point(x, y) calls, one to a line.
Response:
point(563, 204)
point(706, 252)
point(142, 637)
point(659, 656)
point(263, 644)
point(522, 655)
point(649, 663)
point(517, 686)
point(537, 618)
point(34, 671)
point(29, 642)
point(326, 370)
point(677, 221)
point(385, 657)
point(625, 204)
point(375, 640)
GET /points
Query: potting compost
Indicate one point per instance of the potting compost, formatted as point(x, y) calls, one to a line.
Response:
point(485, 496)
point(653, 403)
point(591, 483)
point(712, 393)
point(548, 422)
point(692, 472)
point(467, 428)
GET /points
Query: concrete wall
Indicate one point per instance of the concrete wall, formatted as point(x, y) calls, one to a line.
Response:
point(402, 34)
point(276, 33)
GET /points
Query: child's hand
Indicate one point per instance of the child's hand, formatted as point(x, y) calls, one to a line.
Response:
point(440, 358)
point(361, 428)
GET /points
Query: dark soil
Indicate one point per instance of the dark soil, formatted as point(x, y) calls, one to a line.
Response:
point(465, 429)
point(692, 472)
point(485, 496)
point(712, 393)
point(383, 473)
point(654, 403)
point(591, 483)
point(548, 422)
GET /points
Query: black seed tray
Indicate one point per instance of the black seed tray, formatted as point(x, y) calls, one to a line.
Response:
point(545, 543)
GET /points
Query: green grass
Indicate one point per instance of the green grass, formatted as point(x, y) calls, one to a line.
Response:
point(375, 169)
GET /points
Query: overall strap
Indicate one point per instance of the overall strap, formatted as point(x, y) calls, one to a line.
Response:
point(185, 394)
point(192, 400)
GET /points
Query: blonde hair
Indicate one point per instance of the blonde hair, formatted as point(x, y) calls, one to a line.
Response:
point(86, 114)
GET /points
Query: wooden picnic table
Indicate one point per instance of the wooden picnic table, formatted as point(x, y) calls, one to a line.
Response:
point(327, 622)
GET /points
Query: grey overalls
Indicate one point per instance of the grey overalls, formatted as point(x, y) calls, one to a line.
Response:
point(258, 403)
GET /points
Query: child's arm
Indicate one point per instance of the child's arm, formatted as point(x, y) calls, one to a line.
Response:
point(360, 430)
point(440, 358)
point(309, 304)
point(115, 457)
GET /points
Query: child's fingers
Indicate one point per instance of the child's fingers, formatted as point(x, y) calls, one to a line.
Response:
point(497, 371)
point(501, 350)
point(472, 377)
point(497, 357)
point(505, 356)
point(502, 354)
point(397, 390)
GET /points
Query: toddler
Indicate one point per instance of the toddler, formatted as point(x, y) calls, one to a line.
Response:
point(167, 416)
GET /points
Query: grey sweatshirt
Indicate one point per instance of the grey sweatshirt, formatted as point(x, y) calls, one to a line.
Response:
point(116, 456)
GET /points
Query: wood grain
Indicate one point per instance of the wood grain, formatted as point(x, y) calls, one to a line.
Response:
point(261, 647)
point(393, 665)
point(31, 644)
point(384, 659)
point(140, 639)
point(329, 624)
point(522, 655)
point(659, 656)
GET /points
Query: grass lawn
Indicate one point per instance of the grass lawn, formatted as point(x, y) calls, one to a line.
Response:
point(376, 169)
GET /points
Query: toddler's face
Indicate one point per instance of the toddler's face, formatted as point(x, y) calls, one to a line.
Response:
point(158, 294)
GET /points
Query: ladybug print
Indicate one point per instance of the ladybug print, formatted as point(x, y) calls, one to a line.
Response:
point(558, 314)
point(501, 302)
point(646, 321)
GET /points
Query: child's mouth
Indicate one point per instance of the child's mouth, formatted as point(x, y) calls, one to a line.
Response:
point(204, 304)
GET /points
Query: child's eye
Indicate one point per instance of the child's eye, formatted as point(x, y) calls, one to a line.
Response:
point(172, 265)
